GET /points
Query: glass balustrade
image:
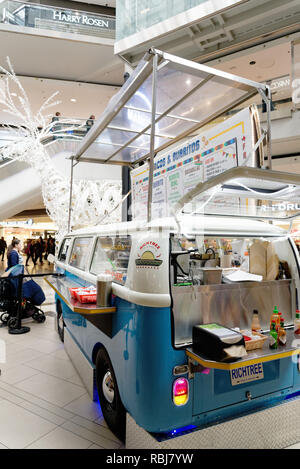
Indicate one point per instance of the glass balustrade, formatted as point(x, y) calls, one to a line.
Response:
point(136, 15)
point(57, 19)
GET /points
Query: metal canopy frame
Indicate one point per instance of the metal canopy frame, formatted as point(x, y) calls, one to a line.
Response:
point(290, 181)
point(151, 64)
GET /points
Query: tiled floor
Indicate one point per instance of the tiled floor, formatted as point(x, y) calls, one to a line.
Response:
point(43, 403)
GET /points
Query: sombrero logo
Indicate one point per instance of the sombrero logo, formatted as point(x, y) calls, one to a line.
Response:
point(149, 255)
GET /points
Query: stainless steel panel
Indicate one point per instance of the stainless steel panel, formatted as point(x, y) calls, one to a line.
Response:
point(230, 304)
point(85, 370)
point(248, 432)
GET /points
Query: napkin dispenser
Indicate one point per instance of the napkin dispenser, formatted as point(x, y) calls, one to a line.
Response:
point(218, 343)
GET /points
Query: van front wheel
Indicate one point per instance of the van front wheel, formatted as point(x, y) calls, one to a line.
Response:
point(60, 320)
point(111, 405)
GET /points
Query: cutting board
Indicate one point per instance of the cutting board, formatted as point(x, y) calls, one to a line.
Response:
point(258, 258)
point(272, 263)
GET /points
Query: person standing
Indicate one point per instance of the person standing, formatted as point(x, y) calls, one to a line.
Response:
point(50, 247)
point(39, 247)
point(10, 247)
point(3, 247)
point(14, 256)
point(90, 122)
point(30, 252)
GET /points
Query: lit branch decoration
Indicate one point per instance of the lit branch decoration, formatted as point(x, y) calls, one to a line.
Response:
point(92, 201)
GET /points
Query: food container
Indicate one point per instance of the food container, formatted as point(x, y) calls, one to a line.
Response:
point(255, 344)
point(73, 292)
point(86, 297)
point(104, 282)
point(210, 275)
point(225, 261)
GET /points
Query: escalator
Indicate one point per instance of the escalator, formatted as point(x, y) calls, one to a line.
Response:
point(20, 186)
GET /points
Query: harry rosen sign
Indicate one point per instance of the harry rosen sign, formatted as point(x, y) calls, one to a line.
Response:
point(81, 19)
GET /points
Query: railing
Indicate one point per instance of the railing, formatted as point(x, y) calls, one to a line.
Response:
point(36, 16)
point(61, 131)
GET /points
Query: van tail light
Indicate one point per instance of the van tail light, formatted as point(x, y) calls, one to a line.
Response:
point(180, 391)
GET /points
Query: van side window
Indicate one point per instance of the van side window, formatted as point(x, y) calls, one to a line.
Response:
point(80, 252)
point(111, 255)
point(64, 250)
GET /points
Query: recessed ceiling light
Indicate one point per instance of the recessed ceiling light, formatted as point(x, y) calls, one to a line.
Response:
point(73, 100)
point(14, 94)
point(188, 81)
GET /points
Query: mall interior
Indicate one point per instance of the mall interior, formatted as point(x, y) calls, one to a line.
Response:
point(149, 224)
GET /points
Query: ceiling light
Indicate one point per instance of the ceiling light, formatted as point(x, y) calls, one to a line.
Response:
point(188, 81)
point(14, 94)
point(73, 100)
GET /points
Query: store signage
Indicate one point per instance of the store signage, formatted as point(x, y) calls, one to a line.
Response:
point(245, 374)
point(80, 19)
point(34, 16)
point(176, 172)
point(280, 84)
point(28, 222)
point(281, 207)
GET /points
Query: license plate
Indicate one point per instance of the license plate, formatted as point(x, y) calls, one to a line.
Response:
point(247, 373)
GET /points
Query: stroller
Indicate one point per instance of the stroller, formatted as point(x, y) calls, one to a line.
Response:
point(32, 297)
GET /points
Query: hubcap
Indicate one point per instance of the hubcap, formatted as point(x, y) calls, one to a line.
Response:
point(108, 387)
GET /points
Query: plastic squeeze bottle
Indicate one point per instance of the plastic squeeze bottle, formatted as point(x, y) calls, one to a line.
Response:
point(273, 336)
point(275, 317)
point(255, 326)
point(297, 323)
point(282, 333)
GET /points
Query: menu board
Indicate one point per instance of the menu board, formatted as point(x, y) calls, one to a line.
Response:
point(176, 172)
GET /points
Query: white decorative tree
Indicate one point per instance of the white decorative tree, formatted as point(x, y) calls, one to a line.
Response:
point(92, 201)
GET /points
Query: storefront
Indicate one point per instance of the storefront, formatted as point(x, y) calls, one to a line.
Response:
point(25, 230)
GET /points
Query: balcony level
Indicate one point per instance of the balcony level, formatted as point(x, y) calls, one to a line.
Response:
point(51, 42)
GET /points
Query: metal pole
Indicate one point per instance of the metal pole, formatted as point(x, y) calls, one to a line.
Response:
point(16, 328)
point(269, 145)
point(152, 137)
point(70, 200)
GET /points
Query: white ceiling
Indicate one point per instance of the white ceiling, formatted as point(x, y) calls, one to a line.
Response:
point(60, 57)
point(90, 99)
point(270, 62)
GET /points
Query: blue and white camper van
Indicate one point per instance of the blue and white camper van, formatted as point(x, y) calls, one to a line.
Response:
point(140, 348)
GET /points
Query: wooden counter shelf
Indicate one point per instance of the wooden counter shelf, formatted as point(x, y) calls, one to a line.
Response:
point(253, 357)
point(102, 318)
point(61, 286)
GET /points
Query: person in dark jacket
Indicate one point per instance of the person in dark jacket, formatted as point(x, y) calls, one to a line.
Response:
point(38, 250)
point(30, 252)
point(14, 257)
point(3, 247)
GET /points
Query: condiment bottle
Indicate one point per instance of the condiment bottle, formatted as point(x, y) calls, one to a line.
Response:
point(255, 326)
point(297, 323)
point(275, 317)
point(273, 339)
point(282, 333)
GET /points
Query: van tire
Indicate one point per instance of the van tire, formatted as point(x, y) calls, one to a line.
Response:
point(59, 321)
point(113, 411)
